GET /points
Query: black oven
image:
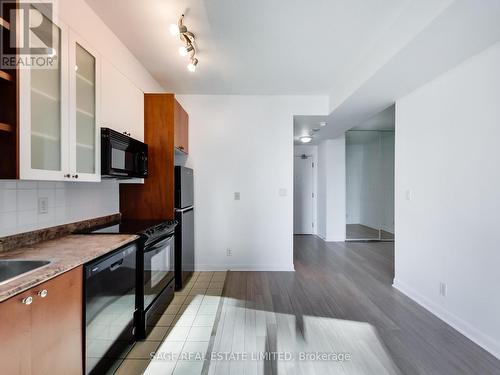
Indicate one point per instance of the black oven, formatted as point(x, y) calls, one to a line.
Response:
point(156, 276)
point(122, 156)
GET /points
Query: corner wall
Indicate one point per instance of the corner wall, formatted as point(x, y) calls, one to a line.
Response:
point(448, 197)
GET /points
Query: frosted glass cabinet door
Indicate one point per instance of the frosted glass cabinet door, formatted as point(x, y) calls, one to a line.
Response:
point(43, 111)
point(84, 88)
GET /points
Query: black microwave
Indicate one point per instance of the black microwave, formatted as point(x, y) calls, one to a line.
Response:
point(122, 156)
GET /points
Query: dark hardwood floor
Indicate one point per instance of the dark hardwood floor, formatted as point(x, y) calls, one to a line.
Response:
point(339, 300)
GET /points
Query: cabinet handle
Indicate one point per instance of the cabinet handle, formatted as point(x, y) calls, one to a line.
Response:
point(75, 176)
point(27, 300)
point(181, 147)
point(43, 293)
point(67, 175)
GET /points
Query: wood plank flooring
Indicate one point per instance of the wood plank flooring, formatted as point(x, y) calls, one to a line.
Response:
point(339, 300)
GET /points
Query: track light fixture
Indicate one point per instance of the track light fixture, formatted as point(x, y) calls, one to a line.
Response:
point(187, 37)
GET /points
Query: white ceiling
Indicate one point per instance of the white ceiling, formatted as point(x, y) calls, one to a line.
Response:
point(252, 46)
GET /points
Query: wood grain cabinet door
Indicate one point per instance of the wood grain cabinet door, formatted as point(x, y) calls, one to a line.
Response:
point(15, 335)
point(181, 128)
point(57, 321)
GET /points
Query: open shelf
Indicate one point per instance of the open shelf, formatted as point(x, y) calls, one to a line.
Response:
point(6, 76)
point(4, 23)
point(6, 127)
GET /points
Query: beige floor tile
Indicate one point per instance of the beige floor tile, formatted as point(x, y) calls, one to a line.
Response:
point(199, 334)
point(208, 309)
point(188, 368)
point(132, 367)
point(204, 276)
point(204, 320)
point(165, 320)
point(178, 300)
point(189, 309)
point(157, 333)
point(160, 368)
point(177, 334)
point(143, 350)
point(200, 290)
point(193, 299)
point(211, 300)
point(184, 320)
point(214, 292)
point(216, 285)
point(183, 292)
point(201, 284)
point(172, 309)
point(194, 351)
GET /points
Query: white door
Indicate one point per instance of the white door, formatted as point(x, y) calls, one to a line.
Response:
point(303, 195)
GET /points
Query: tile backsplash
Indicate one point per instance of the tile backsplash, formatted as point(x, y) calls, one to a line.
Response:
point(30, 205)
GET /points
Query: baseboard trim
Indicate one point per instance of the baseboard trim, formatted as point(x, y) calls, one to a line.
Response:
point(254, 268)
point(484, 341)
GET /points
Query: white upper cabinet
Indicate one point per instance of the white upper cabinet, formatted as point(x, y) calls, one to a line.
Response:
point(43, 115)
point(122, 103)
point(60, 113)
point(85, 108)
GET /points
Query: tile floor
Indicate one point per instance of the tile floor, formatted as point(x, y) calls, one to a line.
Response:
point(179, 341)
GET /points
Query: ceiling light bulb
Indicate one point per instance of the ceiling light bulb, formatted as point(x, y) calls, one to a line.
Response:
point(192, 65)
point(183, 51)
point(305, 138)
point(174, 30)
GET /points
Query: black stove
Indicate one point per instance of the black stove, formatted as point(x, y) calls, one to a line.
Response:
point(155, 267)
point(149, 230)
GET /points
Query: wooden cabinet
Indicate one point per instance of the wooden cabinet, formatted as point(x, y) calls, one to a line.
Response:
point(44, 336)
point(181, 128)
point(155, 198)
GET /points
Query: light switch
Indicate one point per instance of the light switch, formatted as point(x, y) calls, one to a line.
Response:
point(282, 192)
point(237, 196)
point(43, 205)
point(408, 195)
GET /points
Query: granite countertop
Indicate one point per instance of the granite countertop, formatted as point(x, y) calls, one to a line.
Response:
point(65, 253)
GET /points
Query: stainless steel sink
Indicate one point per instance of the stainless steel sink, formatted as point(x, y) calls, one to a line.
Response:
point(13, 268)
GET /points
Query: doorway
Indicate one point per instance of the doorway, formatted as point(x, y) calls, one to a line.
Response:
point(370, 185)
point(304, 197)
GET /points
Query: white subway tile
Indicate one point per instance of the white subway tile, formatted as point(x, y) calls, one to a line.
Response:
point(27, 200)
point(8, 200)
point(27, 185)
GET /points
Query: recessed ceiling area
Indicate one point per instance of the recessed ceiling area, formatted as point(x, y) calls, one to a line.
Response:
point(252, 47)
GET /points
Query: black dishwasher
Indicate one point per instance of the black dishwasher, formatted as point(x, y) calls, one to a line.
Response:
point(110, 308)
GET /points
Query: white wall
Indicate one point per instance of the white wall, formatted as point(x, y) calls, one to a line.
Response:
point(311, 150)
point(447, 160)
point(244, 144)
point(331, 189)
point(67, 202)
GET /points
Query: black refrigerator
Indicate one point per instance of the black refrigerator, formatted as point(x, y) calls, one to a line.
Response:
point(184, 232)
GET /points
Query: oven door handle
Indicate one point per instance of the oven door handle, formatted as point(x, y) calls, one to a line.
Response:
point(149, 248)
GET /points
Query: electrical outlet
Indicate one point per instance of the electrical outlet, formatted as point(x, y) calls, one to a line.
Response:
point(282, 192)
point(237, 196)
point(229, 252)
point(43, 205)
point(409, 195)
point(442, 289)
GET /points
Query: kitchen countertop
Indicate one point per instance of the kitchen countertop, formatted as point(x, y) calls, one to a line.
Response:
point(65, 253)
